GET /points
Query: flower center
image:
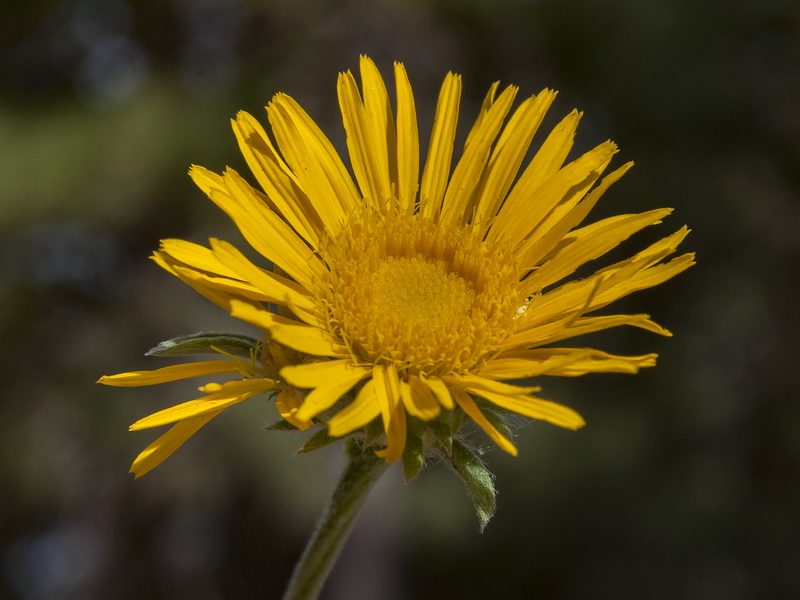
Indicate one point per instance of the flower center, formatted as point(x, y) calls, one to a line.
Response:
point(426, 297)
point(419, 292)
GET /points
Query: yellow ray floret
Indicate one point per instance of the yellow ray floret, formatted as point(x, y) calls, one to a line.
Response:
point(363, 409)
point(171, 373)
point(330, 380)
point(218, 396)
point(288, 401)
point(466, 402)
point(163, 447)
point(189, 416)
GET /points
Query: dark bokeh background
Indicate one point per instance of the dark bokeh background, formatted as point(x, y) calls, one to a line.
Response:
point(683, 485)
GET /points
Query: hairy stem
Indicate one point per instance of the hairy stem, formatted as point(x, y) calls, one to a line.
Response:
point(334, 525)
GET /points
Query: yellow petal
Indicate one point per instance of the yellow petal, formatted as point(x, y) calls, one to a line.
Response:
point(356, 414)
point(220, 297)
point(644, 279)
point(369, 160)
point(468, 405)
point(467, 175)
point(171, 373)
point(600, 362)
point(282, 290)
point(574, 298)
point(387, 392)
point(330, 380)
point(311, 375)
point(566, 187)
point(521, 364)
point(379, 116)
point(164, 446)
point(370, 132)
point(661, 248)
point(288, 402)
point(195, 256)
point(418, 399)
point(475, 382)
point(440, 148)
point(226, 287)
point(543, 166)
point(564, 362)
point(486, 106)
point(262, 228)
point(296, 335)
point(536, 408)
point(276, 179)
point(590, 242)
point(208, 181)
point(509, 153)
point(266, 231)
point(617, 282)
point(407, 139)
point(551, 333)
point(560, 222)
point(440, 391)
point(222, 396)
point(314, 161)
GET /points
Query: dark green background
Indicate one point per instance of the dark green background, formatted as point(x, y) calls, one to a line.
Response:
point(684, 484)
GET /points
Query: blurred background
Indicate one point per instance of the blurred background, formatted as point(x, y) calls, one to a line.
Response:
point(685, 482)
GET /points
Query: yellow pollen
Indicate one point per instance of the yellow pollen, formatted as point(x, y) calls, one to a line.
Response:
point(420, 292)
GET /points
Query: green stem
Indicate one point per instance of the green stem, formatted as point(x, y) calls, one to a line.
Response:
point(334, 526)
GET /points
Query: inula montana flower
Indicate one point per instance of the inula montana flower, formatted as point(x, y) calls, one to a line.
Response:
point(397, 301)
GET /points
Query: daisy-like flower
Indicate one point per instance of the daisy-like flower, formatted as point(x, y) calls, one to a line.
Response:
point(410, 296)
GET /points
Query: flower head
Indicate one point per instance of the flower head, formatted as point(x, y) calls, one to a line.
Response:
point(406, 300)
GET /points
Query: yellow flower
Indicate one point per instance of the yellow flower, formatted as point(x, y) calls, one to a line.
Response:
point(409, 296)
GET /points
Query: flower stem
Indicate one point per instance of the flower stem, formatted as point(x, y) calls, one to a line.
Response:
point(334, 525)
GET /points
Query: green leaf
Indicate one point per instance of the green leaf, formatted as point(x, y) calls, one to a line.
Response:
point(319, 440)
point(205, 343)
point(413, 457)
point(476, 478)
point(282, 425)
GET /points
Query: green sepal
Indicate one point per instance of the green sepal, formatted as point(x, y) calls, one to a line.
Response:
point(443, 436)
point(207, 343)
point(282, 425)
point(476, 478)
point(319, 440)
point(413, 456)
point(495, 416)
point(456, 418)
point(352, 447)
point(372, 431)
